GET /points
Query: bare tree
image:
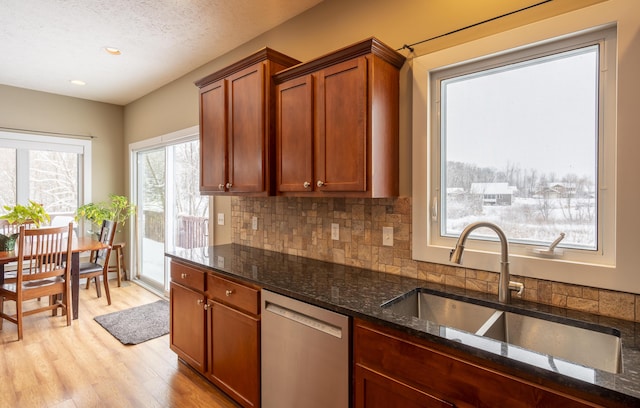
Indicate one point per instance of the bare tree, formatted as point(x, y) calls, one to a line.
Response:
point(188, 198)
point(544, 202)
point(54, 180)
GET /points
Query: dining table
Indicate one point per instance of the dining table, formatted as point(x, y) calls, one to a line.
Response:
point(79, 245)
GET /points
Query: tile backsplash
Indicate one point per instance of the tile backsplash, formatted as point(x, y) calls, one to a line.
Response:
point(302, 226)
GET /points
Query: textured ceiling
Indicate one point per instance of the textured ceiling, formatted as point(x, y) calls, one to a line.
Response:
point(46, 43)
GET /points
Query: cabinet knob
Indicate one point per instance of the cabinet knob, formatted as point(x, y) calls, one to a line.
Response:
point(221, 187)
point(183, 275)
point(199, 301)
point(307, 184)
point(320, 183)
point(229, 292)
point(206, 306)
point(229, 185)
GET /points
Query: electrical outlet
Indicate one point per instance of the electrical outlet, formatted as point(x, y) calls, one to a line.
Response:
point(220, 262)
point(335, 232)
point(254, 223)
point(387, 236)
point(220, 218)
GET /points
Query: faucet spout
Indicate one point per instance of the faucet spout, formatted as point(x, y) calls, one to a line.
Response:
point(504, 285)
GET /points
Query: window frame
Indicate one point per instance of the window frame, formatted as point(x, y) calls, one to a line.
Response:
point(427, 244)
point(23, 142)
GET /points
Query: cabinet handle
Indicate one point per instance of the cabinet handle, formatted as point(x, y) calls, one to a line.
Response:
point(307, 184)
point(183, 275)
point(229, 185)
point(320, 183)
point(229, 292)
point(221, 187)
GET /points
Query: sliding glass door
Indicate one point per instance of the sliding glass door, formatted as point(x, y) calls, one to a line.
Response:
point(171, 212)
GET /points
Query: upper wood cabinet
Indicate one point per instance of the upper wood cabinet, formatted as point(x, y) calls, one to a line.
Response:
point(337, 124)
point(236, 125)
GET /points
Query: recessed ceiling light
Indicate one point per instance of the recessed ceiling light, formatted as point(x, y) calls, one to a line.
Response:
point(78, 82)
point(112, 50)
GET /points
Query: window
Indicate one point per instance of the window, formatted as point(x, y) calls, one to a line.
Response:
point(535, 123)
point(523, 138)
point(49, 170)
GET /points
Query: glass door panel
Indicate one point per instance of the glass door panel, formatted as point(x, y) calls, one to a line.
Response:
point(151, 183)
point(189, 223)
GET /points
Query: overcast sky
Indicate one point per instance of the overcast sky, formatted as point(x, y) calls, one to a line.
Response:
point(552, 129)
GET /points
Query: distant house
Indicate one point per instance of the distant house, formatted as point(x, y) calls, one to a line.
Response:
point(455, 191)
point(493, 193)
point(556, 189)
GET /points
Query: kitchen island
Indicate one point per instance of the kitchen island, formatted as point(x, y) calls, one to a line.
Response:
point(359, 293)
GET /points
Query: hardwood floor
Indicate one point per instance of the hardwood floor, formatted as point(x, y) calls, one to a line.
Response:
point(82, 365)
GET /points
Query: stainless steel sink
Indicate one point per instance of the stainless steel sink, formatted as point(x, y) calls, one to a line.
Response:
point(441, 310)
point(597, 347)
point(588, 347)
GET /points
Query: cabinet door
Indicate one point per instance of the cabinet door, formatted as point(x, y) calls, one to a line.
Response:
point(213, 137)
point(187, 326)
point(341, 145)
point(234, 353)
point(375, 390)
point(411, 360)
point(295, 135)
point(247, 132)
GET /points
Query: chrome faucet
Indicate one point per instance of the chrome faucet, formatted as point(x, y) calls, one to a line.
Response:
point(505, 285)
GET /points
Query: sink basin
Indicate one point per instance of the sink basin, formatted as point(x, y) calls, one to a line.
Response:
point(440, 310)
point(592, 346)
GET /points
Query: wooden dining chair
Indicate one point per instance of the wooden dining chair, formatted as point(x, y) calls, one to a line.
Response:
point(7, 228)
point(99, 262)
point(41, 272)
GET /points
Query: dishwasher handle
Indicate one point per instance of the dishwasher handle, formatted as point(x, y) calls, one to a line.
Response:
point(304, 319)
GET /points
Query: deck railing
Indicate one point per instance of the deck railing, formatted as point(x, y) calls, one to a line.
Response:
point(190, 231)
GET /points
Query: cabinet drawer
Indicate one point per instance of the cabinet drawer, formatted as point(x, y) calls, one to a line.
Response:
point(188, 276)
point(234, 294)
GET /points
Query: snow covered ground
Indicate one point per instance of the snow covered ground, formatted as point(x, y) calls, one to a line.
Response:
point(530, 219)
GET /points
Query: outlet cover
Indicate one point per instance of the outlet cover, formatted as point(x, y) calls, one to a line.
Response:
point(254, 223)
point(387, 236)
point(335, 231)
point(220, 218)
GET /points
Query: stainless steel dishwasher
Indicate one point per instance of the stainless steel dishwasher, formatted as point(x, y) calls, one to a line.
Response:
point(305, 355)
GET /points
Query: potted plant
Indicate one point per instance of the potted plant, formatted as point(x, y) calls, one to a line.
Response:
point(117, 209)
point(22, 214)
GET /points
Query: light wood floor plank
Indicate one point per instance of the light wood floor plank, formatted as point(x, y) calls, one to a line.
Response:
point(84, 366)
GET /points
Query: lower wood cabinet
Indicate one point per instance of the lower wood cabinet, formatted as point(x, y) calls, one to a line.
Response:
point(215, 328)
point(233, 352)
point(187, 326)
point(394, 369)
point(187, 314)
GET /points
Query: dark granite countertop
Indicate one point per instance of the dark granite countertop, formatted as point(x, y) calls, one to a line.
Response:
point(359, 293)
